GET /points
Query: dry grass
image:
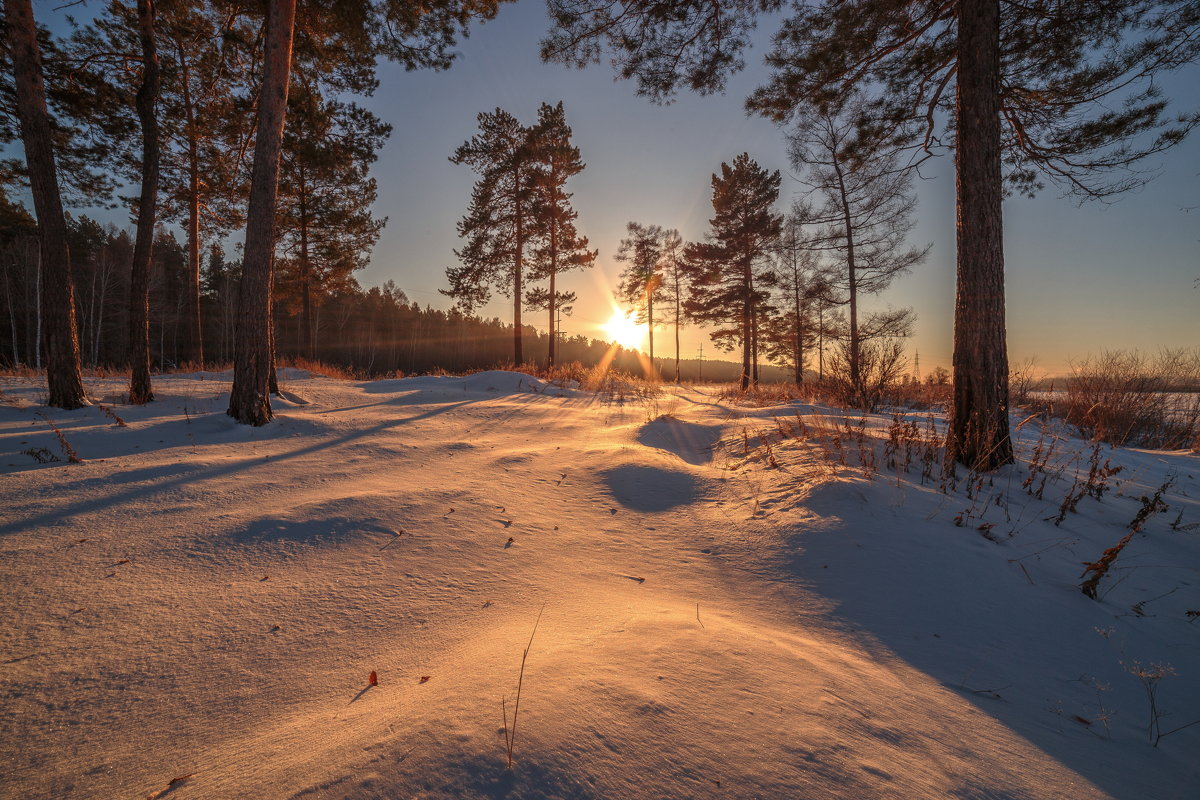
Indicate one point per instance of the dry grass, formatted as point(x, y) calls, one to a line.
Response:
point(1128, 398)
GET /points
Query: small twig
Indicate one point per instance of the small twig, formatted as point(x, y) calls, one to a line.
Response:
point(698, 615)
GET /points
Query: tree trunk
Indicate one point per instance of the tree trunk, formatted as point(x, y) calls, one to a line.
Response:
point(64, 375)
point(518, 252)
point(250, 398)
point(677, 318)
point(799, 330)
point(140, 390)
point(553, 298)
point(979, 435)
point(852, 291)
point(195, 351)
point(745, 382)
point(754, 345)
point(650, 323)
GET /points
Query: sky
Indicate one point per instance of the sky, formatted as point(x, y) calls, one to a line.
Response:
point(1080, 278)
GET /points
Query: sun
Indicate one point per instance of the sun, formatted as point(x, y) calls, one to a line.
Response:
point(623, 330)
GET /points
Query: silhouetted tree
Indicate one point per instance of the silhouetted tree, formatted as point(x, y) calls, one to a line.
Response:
point(731, 270)
point(499, 222)
point(559, 245)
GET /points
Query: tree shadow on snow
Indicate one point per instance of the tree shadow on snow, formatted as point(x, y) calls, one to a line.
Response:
point(642, 488)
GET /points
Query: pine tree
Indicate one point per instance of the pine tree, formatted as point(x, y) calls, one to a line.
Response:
point(731, 271)
point(862, 214)
point(1062, 91)
point(499, 223)
point(559, 245)
point(63, 369)
point(326, 228)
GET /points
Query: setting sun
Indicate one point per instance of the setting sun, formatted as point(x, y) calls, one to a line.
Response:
point(624, 330)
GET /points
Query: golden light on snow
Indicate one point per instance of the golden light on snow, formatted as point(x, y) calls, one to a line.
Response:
point(622, 329)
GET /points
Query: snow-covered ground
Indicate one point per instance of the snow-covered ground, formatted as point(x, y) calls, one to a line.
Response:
point(195, 609)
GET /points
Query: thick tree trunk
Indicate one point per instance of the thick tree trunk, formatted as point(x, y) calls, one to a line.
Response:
point(250, 399)
point(140, 390)
point(64, 376)
point(979, 435)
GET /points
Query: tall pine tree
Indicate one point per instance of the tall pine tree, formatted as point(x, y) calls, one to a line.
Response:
point(559, 246)
point(731, 271)
point(500, 221)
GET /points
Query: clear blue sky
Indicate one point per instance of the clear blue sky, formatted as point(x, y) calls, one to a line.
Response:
point(1080, 278)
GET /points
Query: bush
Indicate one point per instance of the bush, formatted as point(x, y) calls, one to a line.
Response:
point(1128, 398)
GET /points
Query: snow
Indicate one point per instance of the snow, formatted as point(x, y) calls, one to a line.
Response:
point(204, 601)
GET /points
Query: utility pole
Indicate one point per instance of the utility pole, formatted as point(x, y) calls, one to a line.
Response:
point(701, 378)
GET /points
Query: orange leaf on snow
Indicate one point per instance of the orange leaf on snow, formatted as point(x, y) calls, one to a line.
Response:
point(373, 679)
point(424, 679)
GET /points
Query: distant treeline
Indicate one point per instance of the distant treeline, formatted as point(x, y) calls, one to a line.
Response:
point(374, 331)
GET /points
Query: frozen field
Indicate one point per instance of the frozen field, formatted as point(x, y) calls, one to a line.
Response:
point(194, 610)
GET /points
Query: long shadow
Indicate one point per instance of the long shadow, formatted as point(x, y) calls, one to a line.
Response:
point(927, 611)
point(92, 505)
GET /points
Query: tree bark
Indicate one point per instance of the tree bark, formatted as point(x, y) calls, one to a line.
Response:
point(518, 252)
point(250, 398)
point(64, 375)
point(140, 390)
point(553, 299)
point(979, 436)
point(746, 311)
